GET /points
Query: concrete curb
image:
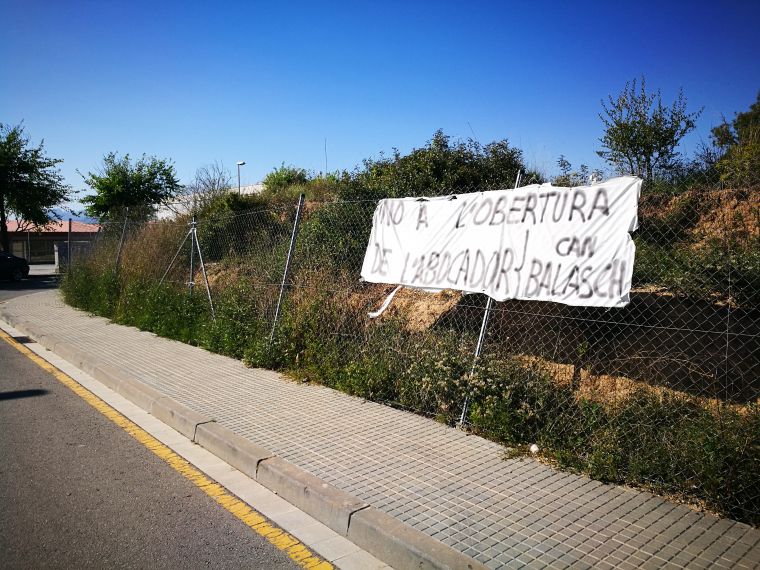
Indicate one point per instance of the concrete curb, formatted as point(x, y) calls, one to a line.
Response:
point(401, 546)
point(179, 416)
point(242, 454)
point(311, 494)
point(383, 536)
point(109, 375)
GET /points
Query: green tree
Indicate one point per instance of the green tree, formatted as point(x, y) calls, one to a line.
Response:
point(441, 167)
point(571, 178)
point(30, 184)
point(641, 134)
point(284, 177)
point(139, 186)
point(340, 231)
point(738, 144)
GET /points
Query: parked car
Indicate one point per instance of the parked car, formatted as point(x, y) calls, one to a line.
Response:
point(13, 267)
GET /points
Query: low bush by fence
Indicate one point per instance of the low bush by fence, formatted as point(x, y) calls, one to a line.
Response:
point(663, 393)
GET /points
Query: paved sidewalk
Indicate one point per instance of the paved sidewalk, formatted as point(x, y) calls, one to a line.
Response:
point(456, 488)
point(43, 269)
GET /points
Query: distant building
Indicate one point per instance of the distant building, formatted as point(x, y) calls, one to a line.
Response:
point(250, 189)
point(38, 245)
point(182, 206)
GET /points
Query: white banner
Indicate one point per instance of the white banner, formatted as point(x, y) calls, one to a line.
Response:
point(539, 242)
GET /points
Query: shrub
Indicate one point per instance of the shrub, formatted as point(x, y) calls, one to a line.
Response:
point(284, 177)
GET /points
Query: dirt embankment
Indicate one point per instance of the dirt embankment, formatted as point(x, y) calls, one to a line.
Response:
point(417, 310)
point(700, 216)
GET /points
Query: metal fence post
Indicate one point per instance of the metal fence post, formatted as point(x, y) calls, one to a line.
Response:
point(476, 356)
point(191, 283)
point(203, 270)
point(285, 273)
point(481, 339)
point(68, 248)
point(730, 390)
point(121, 240)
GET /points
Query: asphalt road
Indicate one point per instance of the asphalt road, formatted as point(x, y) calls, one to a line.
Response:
point(76, 491)
point(10, 289)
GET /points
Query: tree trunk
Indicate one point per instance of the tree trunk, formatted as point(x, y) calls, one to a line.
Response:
point(5, 239)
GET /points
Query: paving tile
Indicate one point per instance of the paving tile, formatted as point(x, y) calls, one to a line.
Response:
point(681, 560)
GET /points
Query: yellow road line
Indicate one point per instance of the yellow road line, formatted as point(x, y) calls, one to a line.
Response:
point(299, 553)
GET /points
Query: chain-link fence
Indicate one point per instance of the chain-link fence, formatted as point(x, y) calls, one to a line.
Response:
point(662, 393)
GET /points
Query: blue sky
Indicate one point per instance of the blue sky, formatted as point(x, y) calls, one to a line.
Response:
point(267, 83)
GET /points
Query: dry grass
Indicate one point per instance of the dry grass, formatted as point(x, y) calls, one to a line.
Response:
point(610, 390)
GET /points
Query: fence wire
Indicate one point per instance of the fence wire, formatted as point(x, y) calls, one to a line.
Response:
point(662, 393)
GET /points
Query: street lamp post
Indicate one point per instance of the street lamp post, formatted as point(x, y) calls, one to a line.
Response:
point(239, 164)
